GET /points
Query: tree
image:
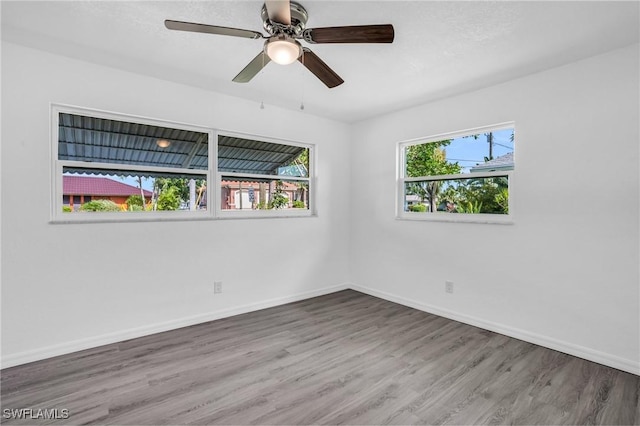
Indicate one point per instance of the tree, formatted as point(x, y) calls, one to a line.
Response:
point(139, 182)
point(428, 159)
point(100, 206)
point(135, 203)
point(139, 178)
point(169, 199)
point(301, 160)
point(278, 199)
point(486, 195)
point(502, 199)
point(175, 189)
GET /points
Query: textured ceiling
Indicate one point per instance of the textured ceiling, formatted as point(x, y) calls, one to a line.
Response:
point(441, 48)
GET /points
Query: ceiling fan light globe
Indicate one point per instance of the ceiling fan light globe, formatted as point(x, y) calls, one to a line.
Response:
point(283, 51)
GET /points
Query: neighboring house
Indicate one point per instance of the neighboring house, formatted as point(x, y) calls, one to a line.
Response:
point(237, 195)
point(78, 190)
point(498, 164)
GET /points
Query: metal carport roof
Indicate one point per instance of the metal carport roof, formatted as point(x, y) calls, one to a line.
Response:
point(92, 139)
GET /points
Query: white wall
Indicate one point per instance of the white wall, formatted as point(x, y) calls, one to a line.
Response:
point(65, 287)
point(566, 273)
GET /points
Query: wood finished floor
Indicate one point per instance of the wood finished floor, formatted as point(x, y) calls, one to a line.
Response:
point(344, 358)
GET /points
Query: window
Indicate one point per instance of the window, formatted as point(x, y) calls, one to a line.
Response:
point(260, 177)
point(114, 167)
point(464, 176)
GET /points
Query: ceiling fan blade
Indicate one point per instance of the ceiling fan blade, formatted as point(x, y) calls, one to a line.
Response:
point(279, 11)
point(210, 29)
point(321, 70)
point(351, 34)
point(252, 68)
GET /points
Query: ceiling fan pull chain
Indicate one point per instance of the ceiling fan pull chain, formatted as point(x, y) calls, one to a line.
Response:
point(302, 91)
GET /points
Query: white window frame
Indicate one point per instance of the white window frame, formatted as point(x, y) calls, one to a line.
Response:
point(247, 213)
point(401, 179)
point(57, 166)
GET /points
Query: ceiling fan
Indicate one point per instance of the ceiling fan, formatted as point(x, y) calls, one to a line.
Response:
point(285, 21)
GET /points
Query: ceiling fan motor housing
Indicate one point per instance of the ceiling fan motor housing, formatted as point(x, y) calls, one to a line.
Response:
point(299, 17)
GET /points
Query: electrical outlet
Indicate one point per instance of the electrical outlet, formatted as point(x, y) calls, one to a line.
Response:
point(448, 286)
point(217, 287)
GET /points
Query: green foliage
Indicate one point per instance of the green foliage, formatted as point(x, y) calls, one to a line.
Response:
point(450, 196)
point(428, 159)
point(297, 204)
point(278, 199)
point(169, 199)
point(488, 195)
point(172, 189)
point(418, 208)
point(100, 206)
point(469, 207)
point(262, 206)
point(66, 209)
point(302, 159)
point(180, 188)
point(502, 198)
point(485, 193)
point(134, 201)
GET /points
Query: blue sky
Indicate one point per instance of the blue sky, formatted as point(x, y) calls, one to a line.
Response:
point(147, 183)
point(469, 151)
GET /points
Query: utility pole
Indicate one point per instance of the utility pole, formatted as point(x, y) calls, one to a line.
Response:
point(490, 140)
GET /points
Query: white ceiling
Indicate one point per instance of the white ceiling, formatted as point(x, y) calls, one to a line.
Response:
point(440, 48)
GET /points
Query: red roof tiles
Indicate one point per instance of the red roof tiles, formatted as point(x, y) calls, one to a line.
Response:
point(85, 185)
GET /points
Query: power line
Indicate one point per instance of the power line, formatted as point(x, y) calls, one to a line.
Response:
point(468, 161)
point(504, 146)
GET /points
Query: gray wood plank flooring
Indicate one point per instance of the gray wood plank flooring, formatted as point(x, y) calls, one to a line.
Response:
point(343, 358)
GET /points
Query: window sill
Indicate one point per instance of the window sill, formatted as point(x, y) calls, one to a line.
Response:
point(265, 214)
point(489, 219)
point(85, 218)
point(116, 217)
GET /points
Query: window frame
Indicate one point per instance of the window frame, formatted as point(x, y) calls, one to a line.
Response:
point(247, 213)
point(212, 175)
point(402, 179)
point(57, 167)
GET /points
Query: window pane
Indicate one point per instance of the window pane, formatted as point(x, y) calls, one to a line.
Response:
point(91, 190)
point(263, 194)
point(470, 195)
point(265, 158)
point(475, 153)
point(84, 138)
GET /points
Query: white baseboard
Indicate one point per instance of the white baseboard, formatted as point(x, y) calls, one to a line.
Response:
point(548, 342)
point(105, 339)
point(119, 336)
